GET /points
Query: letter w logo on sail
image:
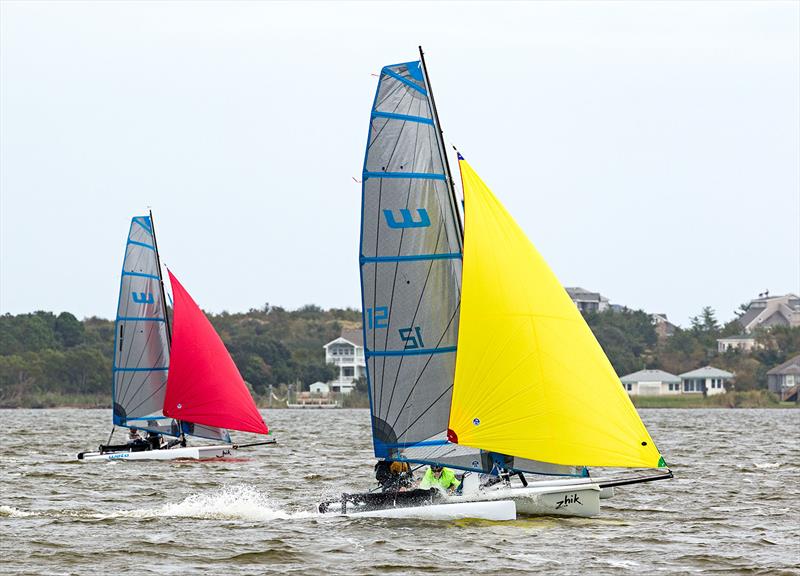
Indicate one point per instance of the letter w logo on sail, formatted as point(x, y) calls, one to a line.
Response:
point(142, 297)
point(408, 219)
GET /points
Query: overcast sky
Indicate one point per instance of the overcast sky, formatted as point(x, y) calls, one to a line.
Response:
point(651, 151)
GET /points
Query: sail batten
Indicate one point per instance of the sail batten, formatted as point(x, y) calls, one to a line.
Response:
point(531, 379)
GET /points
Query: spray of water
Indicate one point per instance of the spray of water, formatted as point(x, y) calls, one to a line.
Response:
point(239, 502)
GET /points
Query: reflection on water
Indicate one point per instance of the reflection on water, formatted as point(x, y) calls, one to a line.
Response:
point(732, 507)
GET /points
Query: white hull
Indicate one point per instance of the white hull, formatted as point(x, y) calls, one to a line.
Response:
point(495, 510)
point(604, 492)
point(193, 453)
point(580, 499)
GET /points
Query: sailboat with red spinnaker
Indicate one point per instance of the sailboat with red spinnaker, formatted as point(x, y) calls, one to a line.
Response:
point(170, 380)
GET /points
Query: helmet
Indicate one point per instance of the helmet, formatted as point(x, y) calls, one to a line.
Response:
point(398, 467)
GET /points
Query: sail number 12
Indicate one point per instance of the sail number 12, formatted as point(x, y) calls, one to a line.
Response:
point(378, 318)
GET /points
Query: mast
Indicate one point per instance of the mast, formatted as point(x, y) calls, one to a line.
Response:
point(164, 300)
point(442, 149)
point(161, 282)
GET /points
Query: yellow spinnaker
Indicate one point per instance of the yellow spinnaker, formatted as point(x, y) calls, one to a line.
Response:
point(531, 380)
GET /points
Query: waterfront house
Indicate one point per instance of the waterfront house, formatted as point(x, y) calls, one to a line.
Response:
point(743, 342)
point(766, 311)
point(663, 327)
point(319, 388)
point(346, 353)
point(587, 301)
point(784, 380)
point(651, 383)
point(706, 380)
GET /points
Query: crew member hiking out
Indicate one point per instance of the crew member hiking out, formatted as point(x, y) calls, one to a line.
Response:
point(438, 477)
point(393, 476)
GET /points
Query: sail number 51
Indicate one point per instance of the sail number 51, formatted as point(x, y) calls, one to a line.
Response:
point(379, 318)
point(412, 337)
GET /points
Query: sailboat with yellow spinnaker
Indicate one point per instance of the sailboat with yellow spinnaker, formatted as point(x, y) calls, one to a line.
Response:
point(477, 360)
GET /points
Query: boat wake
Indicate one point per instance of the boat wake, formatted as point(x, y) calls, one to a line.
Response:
point(240, 502)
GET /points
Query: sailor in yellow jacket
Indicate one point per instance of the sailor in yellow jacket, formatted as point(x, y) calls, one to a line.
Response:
point(438, 477)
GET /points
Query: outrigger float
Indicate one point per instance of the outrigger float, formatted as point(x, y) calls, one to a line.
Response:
point(176, 384)
point(477, 359)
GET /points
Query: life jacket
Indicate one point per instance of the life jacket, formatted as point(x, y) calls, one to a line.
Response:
point(446, 481)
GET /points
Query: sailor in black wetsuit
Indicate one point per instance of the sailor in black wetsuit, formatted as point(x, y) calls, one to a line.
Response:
point(155, 440)
point(393, 476)
point(135, 442)
point(179, 440)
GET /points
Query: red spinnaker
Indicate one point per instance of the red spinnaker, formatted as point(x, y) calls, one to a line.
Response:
point(203, 384)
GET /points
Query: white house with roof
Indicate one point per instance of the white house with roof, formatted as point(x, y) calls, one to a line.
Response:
point(651, 383)
point(319, 388)
point(706, 380)
point(346, 353)
point(743, 342)
point(766, 311)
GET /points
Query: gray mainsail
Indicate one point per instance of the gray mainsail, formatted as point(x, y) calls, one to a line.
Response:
point(410, 261)
point(141, 348)
point(141, 341)
point(410, 270)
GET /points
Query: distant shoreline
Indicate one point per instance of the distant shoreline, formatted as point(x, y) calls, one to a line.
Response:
point(743, 399)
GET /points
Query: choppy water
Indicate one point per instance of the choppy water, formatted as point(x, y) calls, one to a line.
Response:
point(733, 508)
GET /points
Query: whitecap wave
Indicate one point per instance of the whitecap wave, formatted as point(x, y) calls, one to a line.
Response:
point(11, 512)
point(230, 503)
point(767, 465)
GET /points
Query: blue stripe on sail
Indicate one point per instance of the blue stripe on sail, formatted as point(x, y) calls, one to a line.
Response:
point(124, 424)
point(144, 224)
point(410, 352)
point(406, 117)
point(149, 418)
point(135, 319)
point(153, 369)
point(411, 257)
point(436, 463)
point(141, 275)
point(400, 457)
point(405, 81)
point(142, 244)
point(409, 175)
point(415, 444)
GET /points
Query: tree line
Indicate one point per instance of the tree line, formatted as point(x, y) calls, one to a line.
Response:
point(48, 359)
